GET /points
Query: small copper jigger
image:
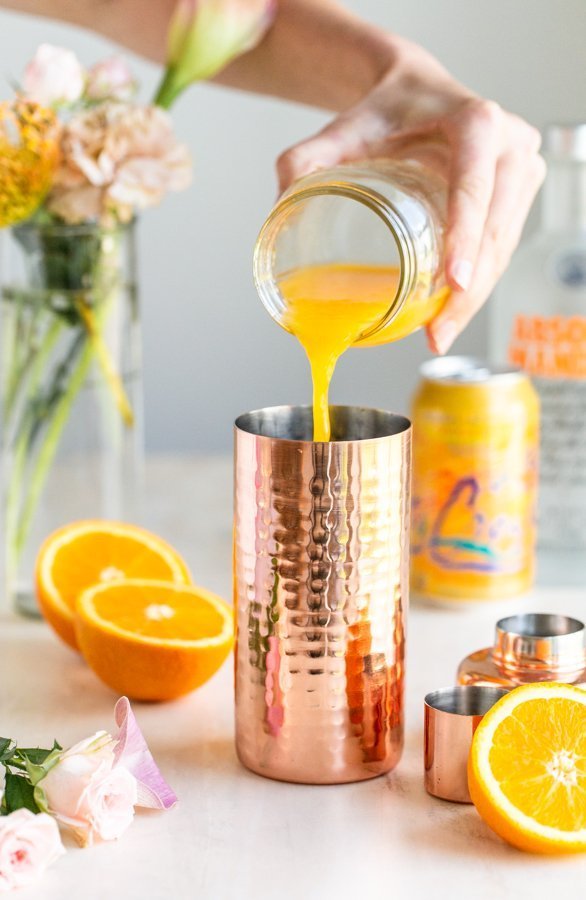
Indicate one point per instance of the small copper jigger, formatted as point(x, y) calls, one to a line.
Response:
point(321, 590)
point(452, 715)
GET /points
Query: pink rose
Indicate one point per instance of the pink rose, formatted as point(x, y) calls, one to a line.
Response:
point(28, 844)
point(110, 79)
point(94, 786)
point(84, 791)
point(54, 77)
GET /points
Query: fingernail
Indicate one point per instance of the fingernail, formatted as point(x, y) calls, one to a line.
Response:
point(461, 273)
point(444, 335)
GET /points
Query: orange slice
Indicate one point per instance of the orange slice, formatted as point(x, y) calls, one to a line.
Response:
point(85, 553)
point(527, 768)
point(152, 640)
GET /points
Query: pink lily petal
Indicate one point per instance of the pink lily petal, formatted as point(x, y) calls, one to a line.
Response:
point(133, 753)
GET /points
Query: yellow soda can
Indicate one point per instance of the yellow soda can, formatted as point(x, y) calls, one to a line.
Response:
point(475, 457)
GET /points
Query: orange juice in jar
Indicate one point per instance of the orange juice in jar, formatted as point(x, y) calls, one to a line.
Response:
point(353, 256)
point(475, 449)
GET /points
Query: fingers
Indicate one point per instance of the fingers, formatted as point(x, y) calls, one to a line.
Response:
point(491, 162)
point(518, 179)
point(475, 135)
point(352, 135)
point(480, 134)
point(317, 153)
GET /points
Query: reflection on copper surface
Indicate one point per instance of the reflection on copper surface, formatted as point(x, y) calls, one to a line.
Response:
point(321, 575)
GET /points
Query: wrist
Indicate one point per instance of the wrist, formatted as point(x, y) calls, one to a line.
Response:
point(414, 83)
point(375, 56)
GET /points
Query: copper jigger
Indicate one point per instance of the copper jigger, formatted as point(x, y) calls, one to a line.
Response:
point(452, 715)
point(321, 592)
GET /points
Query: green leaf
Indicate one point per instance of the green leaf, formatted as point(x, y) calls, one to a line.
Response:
point(37, 755)
point(7, 748)
point(37, 771)
point(41, 798)
point(19, 793)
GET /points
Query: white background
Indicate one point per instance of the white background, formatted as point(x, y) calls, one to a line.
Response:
point(210, 349)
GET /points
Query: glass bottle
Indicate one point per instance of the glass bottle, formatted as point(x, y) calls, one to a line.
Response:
point(539, 323)
point(529, 648)
point(71, 383)
point(375, 213)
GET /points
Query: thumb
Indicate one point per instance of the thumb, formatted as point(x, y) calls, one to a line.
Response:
point(340, 141)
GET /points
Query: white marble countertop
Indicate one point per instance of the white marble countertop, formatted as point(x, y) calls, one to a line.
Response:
point(234, 835)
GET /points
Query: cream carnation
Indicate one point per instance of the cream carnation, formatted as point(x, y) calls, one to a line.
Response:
point(128, 154)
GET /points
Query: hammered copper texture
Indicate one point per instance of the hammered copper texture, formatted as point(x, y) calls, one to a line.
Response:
point(321, 592)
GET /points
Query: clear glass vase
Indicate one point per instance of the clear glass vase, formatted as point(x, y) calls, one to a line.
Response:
point(71, 387)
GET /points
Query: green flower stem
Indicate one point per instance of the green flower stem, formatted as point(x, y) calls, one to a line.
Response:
point(20, 512)
point(11, 360)
point(169, 88)
point(49, 447)
point(36, 363)
point(22, 447)
point(14, 764)
point(18, 353)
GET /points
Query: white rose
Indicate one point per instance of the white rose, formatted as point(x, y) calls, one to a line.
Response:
point(28, 844)
point(54, 76)
point(85, 791)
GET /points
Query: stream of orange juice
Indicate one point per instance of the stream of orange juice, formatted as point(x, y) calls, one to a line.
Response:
point(328, 308)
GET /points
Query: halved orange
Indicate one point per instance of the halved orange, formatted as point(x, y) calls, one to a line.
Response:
point(97, 551)
point(527, 768)
point(152, 640)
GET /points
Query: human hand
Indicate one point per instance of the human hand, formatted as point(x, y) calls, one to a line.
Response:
point(489, 157)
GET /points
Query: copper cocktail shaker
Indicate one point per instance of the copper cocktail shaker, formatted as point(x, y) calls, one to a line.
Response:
point(321, 593)
point(528, 648)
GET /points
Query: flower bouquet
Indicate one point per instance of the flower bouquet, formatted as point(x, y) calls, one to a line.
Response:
point(70, 355)
point(80, 158)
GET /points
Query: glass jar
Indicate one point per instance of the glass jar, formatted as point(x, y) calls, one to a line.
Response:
point(380, 215)
point(529, 648)
point(71, 386)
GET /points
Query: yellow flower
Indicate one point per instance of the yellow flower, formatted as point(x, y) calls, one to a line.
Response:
point(29, 155)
